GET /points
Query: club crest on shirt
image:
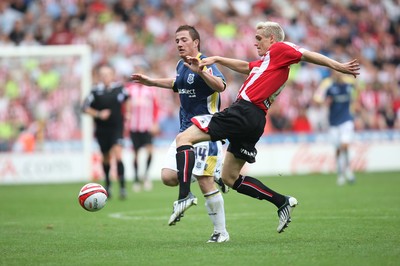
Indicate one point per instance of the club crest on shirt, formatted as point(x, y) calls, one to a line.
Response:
point(190, 78)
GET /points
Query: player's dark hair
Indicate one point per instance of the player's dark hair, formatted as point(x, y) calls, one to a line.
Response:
point(101, 65)
point(192, 32)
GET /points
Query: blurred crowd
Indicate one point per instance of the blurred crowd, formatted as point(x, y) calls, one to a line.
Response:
point(138, 35)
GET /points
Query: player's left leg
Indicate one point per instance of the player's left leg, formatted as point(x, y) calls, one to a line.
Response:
point(215, 208)
point(335, 134)
point(136, 145)
point(117, 153)
point(147, 184)
point(346, 137)
point(208, 165)
point(254, 188)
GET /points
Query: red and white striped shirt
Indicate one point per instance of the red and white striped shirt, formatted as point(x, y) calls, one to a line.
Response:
point(269, 74)
point(144, 107)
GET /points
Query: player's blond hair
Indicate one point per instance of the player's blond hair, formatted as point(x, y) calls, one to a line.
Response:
point(271, 28)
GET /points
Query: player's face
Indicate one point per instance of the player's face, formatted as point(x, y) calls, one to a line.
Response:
point(106, 75)
point(185, 44)
point(262, 43)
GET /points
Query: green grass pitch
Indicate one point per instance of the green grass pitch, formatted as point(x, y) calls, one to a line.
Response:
point(352, 225)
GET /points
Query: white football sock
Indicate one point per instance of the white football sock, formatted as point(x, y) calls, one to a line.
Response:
point(216, 211)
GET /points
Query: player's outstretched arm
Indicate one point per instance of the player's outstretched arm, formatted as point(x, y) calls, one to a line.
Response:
point(159, 82)
point(234, 64)
point(352, 67)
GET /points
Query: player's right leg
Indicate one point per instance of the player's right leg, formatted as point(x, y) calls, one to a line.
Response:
point(169, 177)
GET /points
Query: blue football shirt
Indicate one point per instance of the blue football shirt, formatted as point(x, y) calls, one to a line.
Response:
point(196, 97)
point(339, 109)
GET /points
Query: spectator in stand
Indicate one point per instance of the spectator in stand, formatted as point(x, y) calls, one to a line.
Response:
point(8, 16)
point(301, 124)
point(278, 120)
point(61, 34)
point(48, 78)
point(25, 141)
point(17, 34)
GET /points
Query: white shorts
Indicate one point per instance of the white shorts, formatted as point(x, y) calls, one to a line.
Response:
point(342, 134)
point(209, 158)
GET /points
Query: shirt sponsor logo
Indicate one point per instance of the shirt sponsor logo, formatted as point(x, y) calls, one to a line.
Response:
point(191, 92)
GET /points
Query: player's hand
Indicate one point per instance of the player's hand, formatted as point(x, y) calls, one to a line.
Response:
point(155, 130)
point(140, 78)
point(193, 63)
point(104, 114)
point(351, 68)
point(207, 61)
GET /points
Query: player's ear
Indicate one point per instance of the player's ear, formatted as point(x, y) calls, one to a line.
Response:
point(196, 43)
point(272, 38)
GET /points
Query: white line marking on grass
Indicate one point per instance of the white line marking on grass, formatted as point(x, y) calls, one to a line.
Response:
point(139, 215)
point(347, 217)
point(152, 215)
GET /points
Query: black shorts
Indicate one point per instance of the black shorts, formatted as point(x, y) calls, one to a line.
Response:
point(140, 139)
point(108, 137)
point(242, 124)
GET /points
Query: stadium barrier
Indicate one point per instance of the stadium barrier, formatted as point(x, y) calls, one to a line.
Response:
point(277, 155)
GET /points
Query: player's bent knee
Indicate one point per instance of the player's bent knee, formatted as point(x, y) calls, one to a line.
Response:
point(229, 180)
point(169, 178)
point(181, 139)
point(169, 181)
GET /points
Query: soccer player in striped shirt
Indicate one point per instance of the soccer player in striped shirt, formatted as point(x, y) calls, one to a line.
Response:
point(142, 121)
point(243, 122)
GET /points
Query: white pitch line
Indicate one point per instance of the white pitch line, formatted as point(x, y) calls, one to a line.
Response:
point(146, 215)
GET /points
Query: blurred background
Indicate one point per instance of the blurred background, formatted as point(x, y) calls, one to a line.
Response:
point(40, 96)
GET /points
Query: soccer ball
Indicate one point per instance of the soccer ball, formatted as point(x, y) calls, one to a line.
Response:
point(92, 197)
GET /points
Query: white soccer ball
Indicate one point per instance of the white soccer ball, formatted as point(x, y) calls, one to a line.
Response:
point(92, 197)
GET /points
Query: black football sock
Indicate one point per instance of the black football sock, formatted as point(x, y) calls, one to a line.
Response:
point(135, 169)
point(185, 162)
point(148, 163)
point(254, 188)
point(106, 169)
point(121, 173)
